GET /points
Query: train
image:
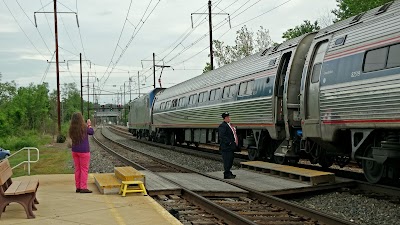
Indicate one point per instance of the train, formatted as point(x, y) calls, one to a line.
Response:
point(331, 96)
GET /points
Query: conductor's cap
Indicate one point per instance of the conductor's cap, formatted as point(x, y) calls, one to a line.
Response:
point(225, 114)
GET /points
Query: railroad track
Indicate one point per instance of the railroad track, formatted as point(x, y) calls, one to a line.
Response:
point(252, 207)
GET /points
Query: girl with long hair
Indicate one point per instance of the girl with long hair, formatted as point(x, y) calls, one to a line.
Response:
point(79, 132)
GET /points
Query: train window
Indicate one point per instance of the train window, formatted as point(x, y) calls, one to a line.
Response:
point(265, 52)
point(232, 90)
point(394, 56)
point(181, 102)
point(168, 105)
point(250, 86)
point(162, 106)
point(316, 72)
point(192, 99)
point(246, 88)
point(202, 97)
point(357, 18)
point(226, 92)
point(242, 88)
point(384, 8)
point(174, 103)
point(375, 59)
point(340, 41)
point(212, 95)
point(217, 93)
point(272, 62)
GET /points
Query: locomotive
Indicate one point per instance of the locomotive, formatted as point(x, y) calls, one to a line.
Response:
point(331, 96)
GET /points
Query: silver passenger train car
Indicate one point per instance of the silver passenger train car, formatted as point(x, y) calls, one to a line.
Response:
point(330, 96)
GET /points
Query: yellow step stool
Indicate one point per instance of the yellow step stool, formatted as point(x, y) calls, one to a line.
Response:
point(125, 189)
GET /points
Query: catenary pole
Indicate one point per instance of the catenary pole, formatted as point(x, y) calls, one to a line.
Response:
point(210, 28)
point(57, 70)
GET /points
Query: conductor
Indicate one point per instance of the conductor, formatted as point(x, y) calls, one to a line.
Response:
point(228, 143)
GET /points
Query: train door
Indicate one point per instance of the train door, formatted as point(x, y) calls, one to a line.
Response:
point(312, 113)
point(279, 87)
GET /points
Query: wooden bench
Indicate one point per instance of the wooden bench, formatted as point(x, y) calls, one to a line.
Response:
point(22, 192)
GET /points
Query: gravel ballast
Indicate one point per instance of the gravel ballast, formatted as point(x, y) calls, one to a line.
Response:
point(356, 208)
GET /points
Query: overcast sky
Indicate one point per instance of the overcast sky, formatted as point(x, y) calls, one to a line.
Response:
point(162, 28)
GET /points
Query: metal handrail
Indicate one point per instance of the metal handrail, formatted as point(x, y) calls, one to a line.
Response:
point(29, 158)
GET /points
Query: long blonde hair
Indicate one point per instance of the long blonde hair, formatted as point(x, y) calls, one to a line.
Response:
point(77, 129)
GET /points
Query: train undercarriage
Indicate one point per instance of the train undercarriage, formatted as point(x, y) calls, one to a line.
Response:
point(377, 152)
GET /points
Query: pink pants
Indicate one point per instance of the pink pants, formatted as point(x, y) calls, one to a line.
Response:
point(81, 164)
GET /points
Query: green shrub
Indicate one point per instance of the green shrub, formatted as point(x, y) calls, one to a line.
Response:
point(27, 139)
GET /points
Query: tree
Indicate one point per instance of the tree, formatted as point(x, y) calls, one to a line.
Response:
point(349, 8)
point(7, 92)
point(71, 100)
point(31, 107)
point(207, 68)
point(245, 45)
point(301, 29)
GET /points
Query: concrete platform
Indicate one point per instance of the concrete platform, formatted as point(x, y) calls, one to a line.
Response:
point(314, 177)
point(260, 181)
point(204, 185)
point(59, 204)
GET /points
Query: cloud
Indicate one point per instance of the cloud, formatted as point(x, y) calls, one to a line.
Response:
point(33, 57)
point(8, 29)
point(104, 13)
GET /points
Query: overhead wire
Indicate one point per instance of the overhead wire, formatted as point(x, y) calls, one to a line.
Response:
point(191, 30)
point(270, 10)
point(47, 70)
point(48, 23)
point(40, 34)
point(119, 38)
point(19, 25)
point(205, 35)
point(141, 22)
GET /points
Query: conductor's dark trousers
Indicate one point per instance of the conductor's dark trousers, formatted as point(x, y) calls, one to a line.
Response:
point(227, 158)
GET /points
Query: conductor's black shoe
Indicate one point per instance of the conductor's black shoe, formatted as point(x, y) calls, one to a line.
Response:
point(230, 177)
point(78, 190)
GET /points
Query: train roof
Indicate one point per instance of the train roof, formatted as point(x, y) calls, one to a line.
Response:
point(255, 63)
point(381, 11)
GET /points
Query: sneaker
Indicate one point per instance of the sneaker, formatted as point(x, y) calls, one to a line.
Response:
point(78, 190)
point(85, 191)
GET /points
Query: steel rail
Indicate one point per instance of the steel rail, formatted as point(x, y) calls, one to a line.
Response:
point(320, 216)
point(209, 206)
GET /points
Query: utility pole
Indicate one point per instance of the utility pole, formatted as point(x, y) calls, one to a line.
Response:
point(88, 88)
point(130, 89)
point(138, 82)
point(59, 137)
point(80, 63)
point(94, 116)
point(81, 76)
point(57, 72)
point(123, 106)
point(154, 70)
point(210, 29)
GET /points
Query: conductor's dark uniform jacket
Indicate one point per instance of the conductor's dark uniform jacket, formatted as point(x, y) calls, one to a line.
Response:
point(226, 138)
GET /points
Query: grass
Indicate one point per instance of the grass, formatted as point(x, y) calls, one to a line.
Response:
point(55, 158)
